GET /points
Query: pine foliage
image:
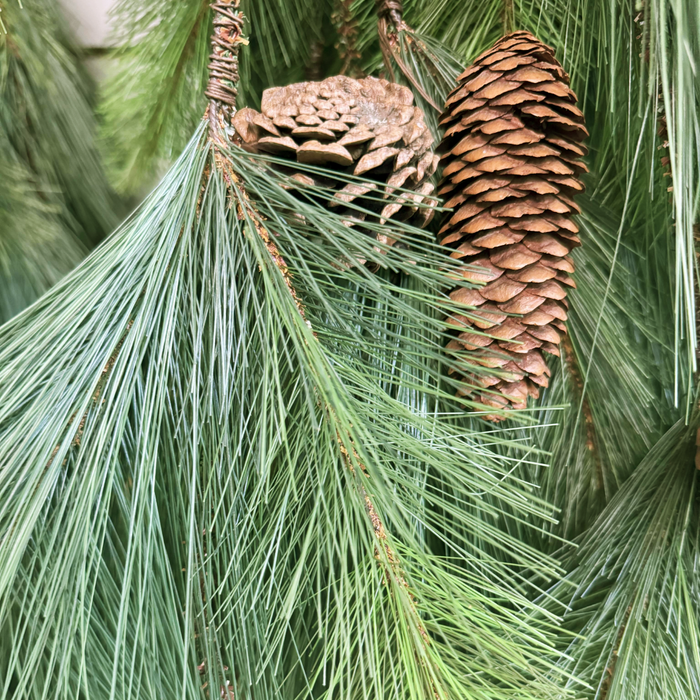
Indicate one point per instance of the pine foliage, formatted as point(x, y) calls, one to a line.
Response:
point(632, 591)
point(56, 201)
point(622, 471)
point(155, 98)
point(233, 478)
point(231, 458)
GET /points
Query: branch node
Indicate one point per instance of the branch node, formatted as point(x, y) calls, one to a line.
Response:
point(391, 10)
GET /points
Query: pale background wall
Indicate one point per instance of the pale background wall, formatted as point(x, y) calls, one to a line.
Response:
point(89, 20)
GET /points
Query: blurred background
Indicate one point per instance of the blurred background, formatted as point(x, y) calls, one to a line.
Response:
point(90, 26)
point(57, 200)
point(89, 21)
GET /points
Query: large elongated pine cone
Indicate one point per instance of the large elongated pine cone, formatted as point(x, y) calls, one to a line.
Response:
point(367, 128)
point(511, 157)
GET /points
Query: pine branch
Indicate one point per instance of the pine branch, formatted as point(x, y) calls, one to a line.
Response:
point(371, 508)
point(272, 490)
point(385, 553)
point(584, 406)
point(633, 590)
point(399, 45)
point(223, 409)
point(211, 410)
point(155, 99)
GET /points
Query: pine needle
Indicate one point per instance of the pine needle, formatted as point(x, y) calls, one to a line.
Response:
point(173, 493)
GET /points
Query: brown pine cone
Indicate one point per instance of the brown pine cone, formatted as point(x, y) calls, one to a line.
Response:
point(367, 128)
point(511, 159)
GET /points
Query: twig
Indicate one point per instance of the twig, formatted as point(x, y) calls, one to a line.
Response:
point(391, 561)
point(226, 41)
point(389, 25)
point(346, 26)
point(391, 10)
point(610, 670)
point(314, 68)
point(508, 17)
point(577, 379)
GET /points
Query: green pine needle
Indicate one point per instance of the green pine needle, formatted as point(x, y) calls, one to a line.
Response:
point(176, 510)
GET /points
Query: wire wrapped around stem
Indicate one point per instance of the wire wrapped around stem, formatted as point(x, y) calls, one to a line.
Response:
point(226, 41)
point(391, 10)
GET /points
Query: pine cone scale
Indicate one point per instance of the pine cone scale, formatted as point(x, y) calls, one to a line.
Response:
point(366, 127)
point(511, 158)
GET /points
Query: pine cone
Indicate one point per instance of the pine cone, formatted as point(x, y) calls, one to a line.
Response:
point(511, 158)
point(367, 128)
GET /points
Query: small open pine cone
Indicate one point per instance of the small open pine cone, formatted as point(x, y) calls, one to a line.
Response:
point(367, 128)
point(511, 158)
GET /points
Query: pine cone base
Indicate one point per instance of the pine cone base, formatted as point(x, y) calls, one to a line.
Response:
point(368, 128)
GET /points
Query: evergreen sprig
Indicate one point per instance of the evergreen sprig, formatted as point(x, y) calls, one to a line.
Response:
point(632, 594)
point(232, 477)
point(35, 251)
point(231, 457)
